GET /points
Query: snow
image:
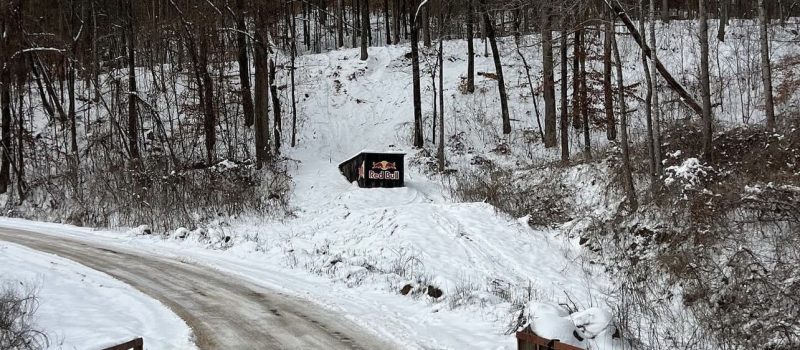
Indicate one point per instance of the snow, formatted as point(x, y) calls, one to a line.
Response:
point(80, 308)
point(689, 173)
point(352, 250)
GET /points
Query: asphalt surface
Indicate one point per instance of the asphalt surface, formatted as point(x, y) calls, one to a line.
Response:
point(224, 312)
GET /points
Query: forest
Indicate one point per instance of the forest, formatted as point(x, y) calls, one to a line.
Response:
point(173, 113)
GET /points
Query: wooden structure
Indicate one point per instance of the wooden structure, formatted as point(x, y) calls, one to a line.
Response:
point(527, 340)
point(375, 169)
point(136, 344)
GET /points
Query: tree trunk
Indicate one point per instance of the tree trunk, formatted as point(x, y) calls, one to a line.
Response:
point(627, 176)
point(576, 82)
point(705, 87)
point(73, 118)
point(549, 80)
point(340, 24)
point(654, 80)
point(261, 93)
point(584, 99)
point(293, 59)
point(766, 68)
point(396, 14)
point(723, 18)
point(686, 98)
point(426, 25)
point(387, 23)
point(5, 128)
point(648, 101)
point(440, 149)
point(244, 65)
point(470, 47)
point(608, 93)
point(209, 115)
point(365, 29)
point(418, 138)
point(276, 106)
point(501, 84)
point(564, 78)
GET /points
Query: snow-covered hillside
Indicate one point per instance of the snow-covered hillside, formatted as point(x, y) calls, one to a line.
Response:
point(414, 264)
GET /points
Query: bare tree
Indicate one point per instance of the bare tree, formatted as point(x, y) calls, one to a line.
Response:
point(365, 29)
point(244, 64)
point(654, 81)
point(705, 87)
point(440, 149)
point(501, 84)
point(608, 92)
point(564, 110)
point(766, 66)
point(549, 79)
point(627, 177)
point(415, 72)
point(133, 113)
point(470, 47)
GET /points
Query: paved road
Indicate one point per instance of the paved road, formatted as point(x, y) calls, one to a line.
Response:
point(223, 311)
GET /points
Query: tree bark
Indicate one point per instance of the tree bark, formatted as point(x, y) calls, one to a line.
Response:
point(276, 106)
point(209, 115)
point(261, 93)
point(564, 78)
point(576, 83)
point(426, 25)
point(340, 24)
point(608, 93)
point(766, 66)
point(723, 18)
point(244, 65)
point(5, 128)
point(387, 23)
point(365, 29)
point(501, 84)
point(549, 80)
point(627, 176)
point(648, 101)
point(705, 86)
point(293, 59)
point(440, 148)
point(654, 80)
point(415, 71)
point(470, 47)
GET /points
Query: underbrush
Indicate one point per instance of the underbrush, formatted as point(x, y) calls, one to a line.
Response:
point(115, 194)
point(17, 310)
point(712, 257)
point(541, 199)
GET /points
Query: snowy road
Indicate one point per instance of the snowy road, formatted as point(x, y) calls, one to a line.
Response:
point(223, 311)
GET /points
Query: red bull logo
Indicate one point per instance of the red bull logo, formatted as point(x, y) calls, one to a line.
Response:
point(384, 170)
point(384, 165)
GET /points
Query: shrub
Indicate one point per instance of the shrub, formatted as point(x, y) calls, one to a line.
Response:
point(17, 309)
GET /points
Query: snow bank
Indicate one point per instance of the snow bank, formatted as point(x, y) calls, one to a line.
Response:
point(592, 328)
point(81, 308)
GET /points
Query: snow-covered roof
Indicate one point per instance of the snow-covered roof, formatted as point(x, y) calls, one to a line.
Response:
point(371, 151)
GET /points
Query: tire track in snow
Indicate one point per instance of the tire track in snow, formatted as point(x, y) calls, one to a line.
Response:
point(224, 312)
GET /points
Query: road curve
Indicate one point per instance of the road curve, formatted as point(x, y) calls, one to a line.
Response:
point(224, 312)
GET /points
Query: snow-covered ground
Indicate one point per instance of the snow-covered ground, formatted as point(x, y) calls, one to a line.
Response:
point(354, 250)
point(80, 308)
